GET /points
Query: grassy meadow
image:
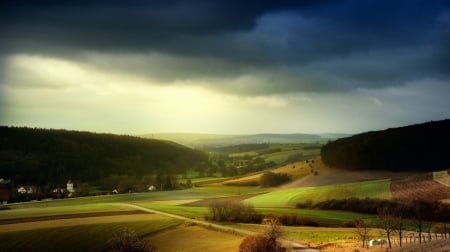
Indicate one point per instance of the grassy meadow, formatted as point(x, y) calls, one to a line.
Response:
point(290, 197)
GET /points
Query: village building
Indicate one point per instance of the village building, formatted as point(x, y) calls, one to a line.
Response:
point(26, 189)
point(70, 186)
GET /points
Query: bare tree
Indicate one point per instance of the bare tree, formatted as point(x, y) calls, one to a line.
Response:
point(420, 211)
point(400, 212)
point(387, 219)
point(362, 229)
point(273, 230)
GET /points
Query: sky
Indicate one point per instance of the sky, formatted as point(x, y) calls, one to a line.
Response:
point(219, 66)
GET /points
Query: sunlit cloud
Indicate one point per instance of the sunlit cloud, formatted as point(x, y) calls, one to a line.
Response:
point(296, 66)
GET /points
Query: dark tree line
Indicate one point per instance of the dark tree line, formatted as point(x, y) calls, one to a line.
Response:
point(421, 147)
point(49, 157)
point(271, 179)
point(416, 209)
point(234, 212)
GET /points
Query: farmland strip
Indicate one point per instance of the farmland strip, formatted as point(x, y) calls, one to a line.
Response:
point(70, 216)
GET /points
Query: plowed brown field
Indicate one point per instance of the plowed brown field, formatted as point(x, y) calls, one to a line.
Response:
point(418, 187)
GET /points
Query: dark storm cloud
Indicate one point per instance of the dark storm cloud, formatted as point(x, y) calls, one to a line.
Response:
point(289, 45)
point(128, 25)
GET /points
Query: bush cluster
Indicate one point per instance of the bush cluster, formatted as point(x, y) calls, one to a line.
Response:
point(234, 212)
point(270, 179)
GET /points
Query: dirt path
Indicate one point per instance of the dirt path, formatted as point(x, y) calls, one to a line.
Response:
point(285, 243)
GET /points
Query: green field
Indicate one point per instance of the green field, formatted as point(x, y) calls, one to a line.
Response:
point(290, 197)
point(186, 211)
point(279, 157)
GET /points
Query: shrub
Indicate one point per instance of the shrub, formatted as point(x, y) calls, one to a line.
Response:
point(236, 212)
point(256, 243)
point(266, 242)
point(270, 179)
point(127, 240)
point(308, 204)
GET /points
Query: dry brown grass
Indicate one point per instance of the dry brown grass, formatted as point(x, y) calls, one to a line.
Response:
point(194, 238)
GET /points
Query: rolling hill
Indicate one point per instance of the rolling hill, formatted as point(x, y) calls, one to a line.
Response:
point(420, 147)
point(47, 156)
point(217, 140)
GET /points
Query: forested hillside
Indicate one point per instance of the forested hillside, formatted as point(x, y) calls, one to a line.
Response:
point(420, 147)
point(43, 157)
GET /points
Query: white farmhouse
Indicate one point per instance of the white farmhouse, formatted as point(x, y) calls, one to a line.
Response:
point(70, 186)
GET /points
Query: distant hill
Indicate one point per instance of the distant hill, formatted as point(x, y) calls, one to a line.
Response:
point(217, 140)
point(420, 147)
point(43, 156)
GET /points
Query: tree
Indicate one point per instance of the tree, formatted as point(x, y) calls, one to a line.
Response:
point(420, 210)
point(268, 241)
point(362, 229)
point(401, 211)
point(387, 220)
point(273, 230)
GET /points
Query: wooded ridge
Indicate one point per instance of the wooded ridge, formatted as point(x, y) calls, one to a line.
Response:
point(420, 147)
point(48, 156)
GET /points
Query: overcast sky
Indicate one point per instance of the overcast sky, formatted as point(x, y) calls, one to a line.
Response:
point(134, 67)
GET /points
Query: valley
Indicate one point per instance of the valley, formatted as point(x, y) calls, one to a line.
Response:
point(245, 184)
